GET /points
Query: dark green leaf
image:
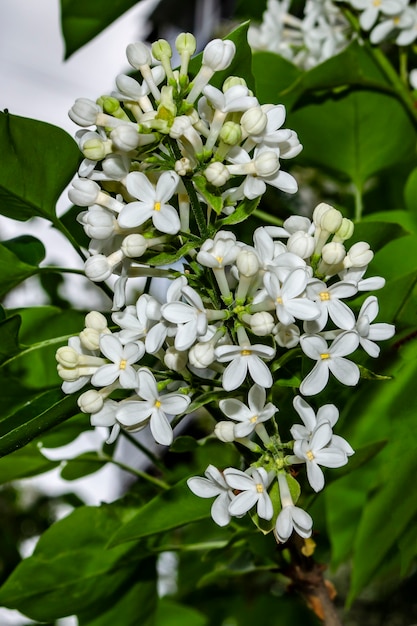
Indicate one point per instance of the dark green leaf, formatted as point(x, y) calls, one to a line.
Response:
point(82, 465)
point(71, 571)
point(376, 233)
point(66, 432)
point(27, 248)
point(41, 160)
point(13, 270)
point(211, 198)
point(242, 211)
point(9, 333)
point(81, 21)
point(170, 613)
point(35, 417)
point(170, 509)
point(267, 64)
point(28, 461)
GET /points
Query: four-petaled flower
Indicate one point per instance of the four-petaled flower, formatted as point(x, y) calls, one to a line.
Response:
point(248, 416)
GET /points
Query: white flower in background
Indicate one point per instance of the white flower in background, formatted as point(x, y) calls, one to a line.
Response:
point(122, 357)
point(401, 20)
point(368, 332)
point(329, 359)
point(253, 486)
point(287, 297)
point(213, 485)
point(248, 416)
point(243, 359)
point(371, 10)
point(152, 202)
point(318, 450)
point(153, 407)
point(329, 301)
point(290, 517)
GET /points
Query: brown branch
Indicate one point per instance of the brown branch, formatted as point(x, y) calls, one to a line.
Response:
point(307, 579)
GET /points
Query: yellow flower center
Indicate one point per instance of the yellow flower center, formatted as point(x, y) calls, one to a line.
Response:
point(310, 455)
point(259, 488)
point(377, 3)
point(324, 296)
point(279, 300)
point(157, 403)
point(157, 206)
point(122, 364)
point(254, 419)
point(325, 356)
point(246, 352)
point(219, 259)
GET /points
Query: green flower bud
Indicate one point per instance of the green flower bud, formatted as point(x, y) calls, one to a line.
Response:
point(161, 49)
point(186, 43)
point(231, 133)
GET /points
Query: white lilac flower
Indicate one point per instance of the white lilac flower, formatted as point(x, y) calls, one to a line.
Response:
point(288, 297)
point(355, 275)
point(134, 320)
point(219, 252)
point(397, 22)
point(153, 407)
point(326, 413)
point(248, 416)
point(190, 317)
point(253, 486)
point(318, 450)
point(242, 359)
point(329, 359)
point(290, 517)
point(371, 9)
point(213, 485)
point(261, 169)
point(106, 417)
point(368, 332)
point(329, 301)
point(122, 357)
point(152, 202)
point(287, 336)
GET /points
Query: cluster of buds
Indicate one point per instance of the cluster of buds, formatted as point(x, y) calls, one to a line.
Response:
point(230, 314)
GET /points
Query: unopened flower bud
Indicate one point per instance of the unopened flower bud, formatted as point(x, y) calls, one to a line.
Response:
point(253, 121)
point(95, 320)
point(134, 245)
point(319, 212)
point(84, 112)
point(232, 81)
point(217, 174)
point(186, 43)
point(84, 192)
point(138, 54)
point(359, 255)
point(175, 360)
point(97, 222)
point(218, 54)
point(331, 220)
point(97, 268)
point(333, 253)
point(247, 262)
point(266, 163)
point(125, 137)
point(67, 357)
point(231, 133)
point(345, 231)
point(183, 166)
point(69, 375)
point(90, 401)
point(90, 338)
point(301, 244)
point(95, 148)
point(161, 50)
point(129, 86)
point(262, 323)
point(225, 431)
point(201, 355)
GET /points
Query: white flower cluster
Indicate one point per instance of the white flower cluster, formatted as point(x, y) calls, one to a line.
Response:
point(168, 160)
point(322, 33)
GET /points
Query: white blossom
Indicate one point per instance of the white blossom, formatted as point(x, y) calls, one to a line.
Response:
point(253, 486)
point(248, 416)
point(123, 357)
point(243, 359)
point(213, 485)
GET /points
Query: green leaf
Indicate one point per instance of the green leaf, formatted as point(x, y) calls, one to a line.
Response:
point(167, 258)
point(27, 248)
point(70, 570)
point(13, 270)
point(41, 160)
point(170, 509)
point(9, 333)
point(170, 613)
point(81, 21)
point(28, 461)
point(376, 233)
point(64, 433)
point(33, 418)
point(267, 64)
point(211, 198)
point(82, 465)
point(241, 213)
point(352, 140)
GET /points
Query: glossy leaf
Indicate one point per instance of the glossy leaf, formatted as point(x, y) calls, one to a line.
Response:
point(82, 21)
point(13, 270)
point(34, 417)
point(9, 333)
point(82, 465)
point(28, 461)
point(70, 570)
point(170, 509)
point(27, 248)
point(267, 64)
point(170, 613)
point(41, 161)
